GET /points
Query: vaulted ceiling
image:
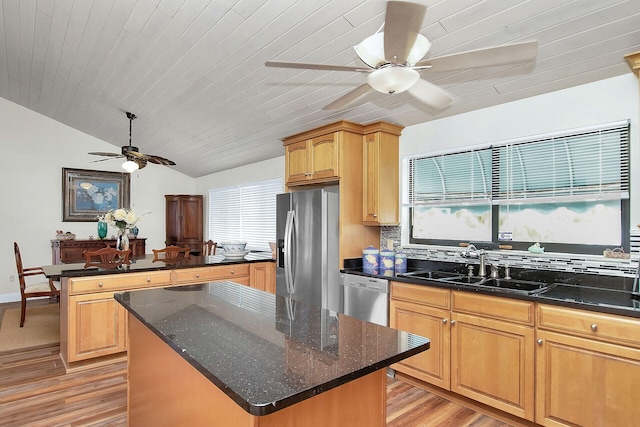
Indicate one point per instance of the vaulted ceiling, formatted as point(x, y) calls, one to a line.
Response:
point(193, 70)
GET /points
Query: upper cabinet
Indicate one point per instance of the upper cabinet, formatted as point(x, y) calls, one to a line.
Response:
point(380, 204)
point(317, 156)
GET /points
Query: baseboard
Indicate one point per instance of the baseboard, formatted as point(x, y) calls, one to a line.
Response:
point(10, 297)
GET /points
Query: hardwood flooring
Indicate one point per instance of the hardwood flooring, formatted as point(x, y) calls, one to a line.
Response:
point(35, 391)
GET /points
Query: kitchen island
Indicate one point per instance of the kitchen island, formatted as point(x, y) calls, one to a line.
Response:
point(224, 354)
point(93, 327)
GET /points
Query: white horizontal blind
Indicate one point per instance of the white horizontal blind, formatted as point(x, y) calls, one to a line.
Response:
point(246, 212)
point(451, 178)
point(573, 166)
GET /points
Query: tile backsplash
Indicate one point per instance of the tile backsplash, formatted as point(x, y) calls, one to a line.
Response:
point(577, 263)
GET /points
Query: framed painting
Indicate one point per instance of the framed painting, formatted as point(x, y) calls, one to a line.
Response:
point(86, 194)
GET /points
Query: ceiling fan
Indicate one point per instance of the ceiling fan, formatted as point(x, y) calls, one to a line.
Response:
point(394, 59)
point(135, 159)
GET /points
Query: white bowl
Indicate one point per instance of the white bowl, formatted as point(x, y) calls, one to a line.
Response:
point(233, 247)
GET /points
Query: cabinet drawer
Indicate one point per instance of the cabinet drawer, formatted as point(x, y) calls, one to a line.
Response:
point(601, 326)
point(426, 295)
point(119, 282)
point(208, 274)
point(494, 307)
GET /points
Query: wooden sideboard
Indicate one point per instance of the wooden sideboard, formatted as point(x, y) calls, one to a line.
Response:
point(68, 251)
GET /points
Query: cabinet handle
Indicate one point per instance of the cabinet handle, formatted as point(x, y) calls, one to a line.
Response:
point(100, 284)
point(453, 322)
point(539, 341)
point(444, 321)
point(594, 327)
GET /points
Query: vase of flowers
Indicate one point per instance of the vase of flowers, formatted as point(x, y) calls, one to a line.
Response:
point(124, 219)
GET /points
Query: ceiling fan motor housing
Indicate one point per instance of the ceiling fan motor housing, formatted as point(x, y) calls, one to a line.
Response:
point(128, 148)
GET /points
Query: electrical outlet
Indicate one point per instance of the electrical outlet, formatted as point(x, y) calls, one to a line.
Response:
point(12, 278)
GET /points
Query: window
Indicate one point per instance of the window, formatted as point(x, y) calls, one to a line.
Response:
point(245, 212)
point(567, 191)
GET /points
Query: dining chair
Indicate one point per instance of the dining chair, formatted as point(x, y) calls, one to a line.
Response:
point(106, 258)
point(49, 289)
point(209, 247)
point(171, 253)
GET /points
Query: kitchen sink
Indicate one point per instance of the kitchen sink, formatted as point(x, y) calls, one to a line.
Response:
point(527, 287)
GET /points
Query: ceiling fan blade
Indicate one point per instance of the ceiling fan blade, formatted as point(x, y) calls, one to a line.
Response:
point(99, 153)
point(402, 24)
point(488, 57)
point(306, 66)
point(350, 98)
point(430, 94)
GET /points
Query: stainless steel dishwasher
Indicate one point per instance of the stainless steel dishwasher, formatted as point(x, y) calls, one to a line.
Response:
point(366, 298)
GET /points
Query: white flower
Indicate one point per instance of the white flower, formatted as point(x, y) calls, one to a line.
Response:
point(121, 218)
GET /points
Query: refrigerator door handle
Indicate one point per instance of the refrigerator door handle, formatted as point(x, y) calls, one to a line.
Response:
point(288, 251)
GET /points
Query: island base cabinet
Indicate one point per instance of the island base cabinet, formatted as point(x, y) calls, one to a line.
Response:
point(98, 327)
point(582, 382)
point(165, 390)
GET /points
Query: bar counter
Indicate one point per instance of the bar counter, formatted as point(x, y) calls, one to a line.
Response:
point(274, 358)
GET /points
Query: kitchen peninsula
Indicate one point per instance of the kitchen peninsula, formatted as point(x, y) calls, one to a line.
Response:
point(93, 327)
point(220, 353)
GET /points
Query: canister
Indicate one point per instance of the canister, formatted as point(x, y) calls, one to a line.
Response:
point(370, 260)
point(387, 260)
point(401, 262)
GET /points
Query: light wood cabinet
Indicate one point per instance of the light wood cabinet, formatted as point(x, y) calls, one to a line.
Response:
point(492, 352)
point(424, 311)
point(330, 155)
point(263, 276)
point(93, 324)
point(381, 194)
point(313, 160)
point(587, 368)
point(482, 347)
point(183, 221)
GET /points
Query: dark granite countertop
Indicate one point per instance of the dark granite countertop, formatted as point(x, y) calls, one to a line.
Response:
point(243, 339)
point(594, 292)
point(146, 263)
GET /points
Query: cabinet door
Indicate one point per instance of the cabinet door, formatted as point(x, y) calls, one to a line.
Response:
point(97, 326)
point(262, 276)
point(297, 162)
point(380, 179)
point(371, 164)
point(324, 157)
point(493, 363)
point(585, 382)
point(433, 365)
point(173, 227)
point(191, 219)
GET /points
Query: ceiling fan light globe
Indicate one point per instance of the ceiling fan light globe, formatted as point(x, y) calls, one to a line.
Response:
point(130, 166)
point(393, 79)
point(371, 50)
point(420, 48)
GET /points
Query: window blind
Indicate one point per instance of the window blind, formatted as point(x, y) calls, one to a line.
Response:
point(246, 212)
point(589, 164)
point(451, 178)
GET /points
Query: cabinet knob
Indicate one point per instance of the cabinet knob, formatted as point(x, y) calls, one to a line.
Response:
point(233, 272)
point(444, 321)
point(148, 279)
point(539, 341)
point(453, 322)
point(197, 275)
point(375, 215)
point(100, 284)
point(594, 327)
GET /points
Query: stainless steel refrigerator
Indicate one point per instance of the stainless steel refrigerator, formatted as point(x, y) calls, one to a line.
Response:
point(307, 259)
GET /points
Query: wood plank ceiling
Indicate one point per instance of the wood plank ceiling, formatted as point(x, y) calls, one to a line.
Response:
point(193, 70)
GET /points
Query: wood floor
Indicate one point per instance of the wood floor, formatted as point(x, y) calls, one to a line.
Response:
point(36, 391)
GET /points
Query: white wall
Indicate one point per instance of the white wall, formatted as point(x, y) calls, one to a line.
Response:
point(34, 150)
point(601, 102)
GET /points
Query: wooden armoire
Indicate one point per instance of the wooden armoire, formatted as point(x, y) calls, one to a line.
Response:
point(184, 214)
